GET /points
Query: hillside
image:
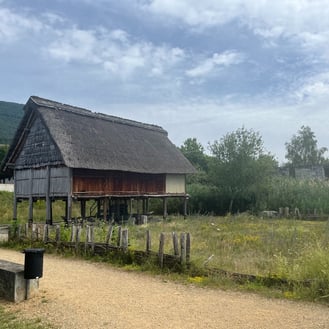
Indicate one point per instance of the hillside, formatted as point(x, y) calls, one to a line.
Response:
point(10, 116)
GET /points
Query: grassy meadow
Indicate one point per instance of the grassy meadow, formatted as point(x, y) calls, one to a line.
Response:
point(290, 249)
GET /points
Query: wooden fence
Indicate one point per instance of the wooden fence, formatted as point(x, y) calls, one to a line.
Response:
point(82, 241)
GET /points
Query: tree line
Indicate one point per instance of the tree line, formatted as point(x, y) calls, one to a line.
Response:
point(239, 175)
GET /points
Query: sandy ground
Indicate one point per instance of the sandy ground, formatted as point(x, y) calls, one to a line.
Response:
point(79, 294)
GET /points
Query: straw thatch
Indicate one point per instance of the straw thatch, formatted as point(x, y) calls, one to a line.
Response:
point(60, 134)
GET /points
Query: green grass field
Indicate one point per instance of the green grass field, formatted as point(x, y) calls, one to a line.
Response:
point(293, 250)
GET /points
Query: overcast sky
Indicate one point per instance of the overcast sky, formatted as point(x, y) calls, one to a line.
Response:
point(197, 68)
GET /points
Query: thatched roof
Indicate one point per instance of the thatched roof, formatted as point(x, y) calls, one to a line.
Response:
point(97, 141)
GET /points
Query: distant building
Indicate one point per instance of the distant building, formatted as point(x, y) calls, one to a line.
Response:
point(311, 172)
point(306, 172)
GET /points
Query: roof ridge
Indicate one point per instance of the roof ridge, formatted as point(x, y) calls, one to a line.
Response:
point(43, 102)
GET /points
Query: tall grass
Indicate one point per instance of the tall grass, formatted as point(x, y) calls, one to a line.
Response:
point(306, 195)
point(294, 250)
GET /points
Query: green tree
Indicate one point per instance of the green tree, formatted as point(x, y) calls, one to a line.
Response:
point(194, 152)
point(302, 150)
point(3, 151)
point(241, 167)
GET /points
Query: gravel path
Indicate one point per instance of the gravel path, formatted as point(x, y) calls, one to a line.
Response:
point(78, 294)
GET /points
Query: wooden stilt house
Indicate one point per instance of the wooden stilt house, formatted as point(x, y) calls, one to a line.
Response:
point(62, 152)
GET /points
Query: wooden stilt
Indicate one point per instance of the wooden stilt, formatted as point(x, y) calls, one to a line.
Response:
point(185, 207)
point(165, 205)
point(68, 208)
point(48, 201)
point(30, 216)
point(83, 208)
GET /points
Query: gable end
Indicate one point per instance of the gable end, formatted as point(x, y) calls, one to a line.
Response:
point(39, 149)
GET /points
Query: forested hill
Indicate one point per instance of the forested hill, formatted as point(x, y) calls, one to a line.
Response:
point(10, 116)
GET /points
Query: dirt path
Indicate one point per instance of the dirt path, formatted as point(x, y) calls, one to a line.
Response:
point(78, 294)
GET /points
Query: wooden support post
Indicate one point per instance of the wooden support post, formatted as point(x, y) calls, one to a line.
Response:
point(68, 209)
point(147, 206)
point(161, 249)
point(165, 210)
point(15, 199)
point(98, 208)
point(138, 210)
point(109, 235)
point(49, 219)
point(185, 207)
point(105, 208)
point(144, 206)
point(125, 239)
point(83, 209)
point(92, 238)
point(58, 234)
point(30, 215)
point(131, 206)
point(183, 248)
point(188, 248)
point(148, 241)
point(175, 244)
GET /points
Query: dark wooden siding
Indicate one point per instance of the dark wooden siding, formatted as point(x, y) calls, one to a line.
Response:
point(37, 183)
point(39, 149)
point(91, 182)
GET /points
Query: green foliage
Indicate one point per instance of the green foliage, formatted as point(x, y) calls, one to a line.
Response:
point(240, 167)
point(194, 152)
point(3, 151)
point(306, 195)
point(302, 149)
point(10, 116)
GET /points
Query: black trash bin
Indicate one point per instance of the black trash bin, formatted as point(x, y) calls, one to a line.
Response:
point(33, 265)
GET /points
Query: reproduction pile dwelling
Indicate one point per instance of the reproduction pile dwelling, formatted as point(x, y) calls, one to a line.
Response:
point(62, 152)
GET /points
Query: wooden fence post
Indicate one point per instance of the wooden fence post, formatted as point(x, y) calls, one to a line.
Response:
point(33, 232)
point(119, 242)
point(182, 248)
point(87, 237)
point(19, 231)
point(161, 249)
point(109, 235)
point(92, 237)
point(73, 232)
point(26, 230)
point(175, 243)
point(45, 233)
point(148, 241)
point(77, 238)
point(125, 239)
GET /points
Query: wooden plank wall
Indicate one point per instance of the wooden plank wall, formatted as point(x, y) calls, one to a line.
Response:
point(34, 182)
point(116, 182)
